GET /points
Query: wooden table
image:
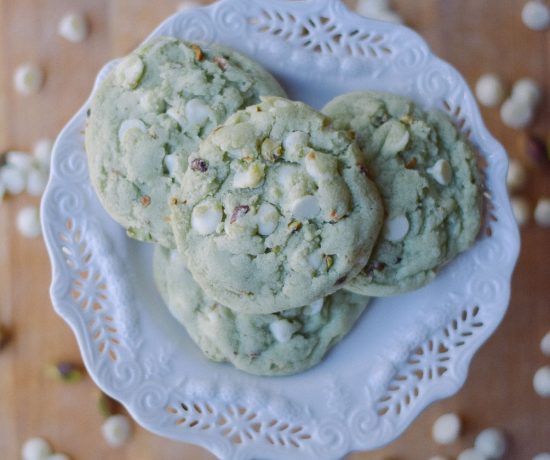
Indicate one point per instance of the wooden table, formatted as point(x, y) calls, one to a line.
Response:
point(475, 35)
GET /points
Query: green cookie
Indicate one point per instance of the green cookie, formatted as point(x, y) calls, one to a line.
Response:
point(150, 113)
point(272, 344)
point(278, 212)
point(427, 174)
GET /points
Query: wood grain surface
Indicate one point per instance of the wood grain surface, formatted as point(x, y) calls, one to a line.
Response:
point(474, 35)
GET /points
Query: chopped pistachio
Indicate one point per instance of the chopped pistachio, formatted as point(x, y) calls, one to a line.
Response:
point(294, 226)
point(329, 262)
point(199, 55)
point(145, 200)
point(271, 151)
point(65, 371)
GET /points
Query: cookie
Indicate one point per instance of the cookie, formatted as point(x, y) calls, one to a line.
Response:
point(273, 344)
point(278, 212)
point(427, 174)
point(150, 113)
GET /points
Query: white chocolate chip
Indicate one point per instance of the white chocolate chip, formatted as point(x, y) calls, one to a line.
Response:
point(250, 176)
point(517, 176)
point(28, 79)
point(471, 454)
point(521, 210)
point(28, 222)
point(42, 152)
point(171, 163)
point(58, 456)
point(73, 27)
point(284, 176)
point(206, 217)
point(542, 212)
point(442, 172)
point(542, 456)
point(491, 442)
point(315, 259)
point(282, 330)
point(378, 9)
point(490, 90)
point(117, 430)
point(130, 71)
point(541, 382)
point(315, 308)
point(128, 125)
point(295, 141)
point(13, 180)
point(545, 344)
point(36, 182)
point(439, 457)
point(527, 91)
point(35, 449)
point(319, 166)
point(20, 161)
point(306, 207)
point(396, 139)
point(446, 428)
point(536, 15)
point(268, 219)
point(515, 114)
point(197, 112)
point(396, 229)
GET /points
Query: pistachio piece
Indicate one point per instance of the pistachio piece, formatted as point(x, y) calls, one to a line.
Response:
point(268, 219)
point(442, 172)
point(271, 151)
point(145, 200)
point(238, 212)
point(306, 207)
point(130, 71)
point(294, 226)
point(329, 262)
point(250, 176)
point(65, 372)
point(221, 62)
point(4, 336)
point(106, 405)
point(396, 229)
point(206, 217)
point(199, 55)
point(200, 165)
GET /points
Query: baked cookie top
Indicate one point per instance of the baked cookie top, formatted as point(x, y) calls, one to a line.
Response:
point(272, 344)
point(278, 212)
point(150, 113)
point(427, 174)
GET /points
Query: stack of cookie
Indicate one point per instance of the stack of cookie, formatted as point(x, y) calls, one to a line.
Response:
point(274, 222)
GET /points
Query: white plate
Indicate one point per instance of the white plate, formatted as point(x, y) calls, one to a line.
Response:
point(404, 354)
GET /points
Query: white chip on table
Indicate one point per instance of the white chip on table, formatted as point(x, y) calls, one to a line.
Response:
point(446, 429)
point(521, 210)
point(42, 152)
point(73, 27)
point(28, 79)
point(13, 180)
point(378, 9)
point(542, 212)
point(527, 91)
point(471, 454)
point(37, 180)
point(545, 344)
point(19, 160)
point(117, 430)
point(28, 222)
point(438, 457)
point(35, 449)
point(516, 115)
point(57, 456)
point(189, 4)
point(517, 175)
point(541, 382)
point(491, 442)
point(536, 15)
point(490, 90)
